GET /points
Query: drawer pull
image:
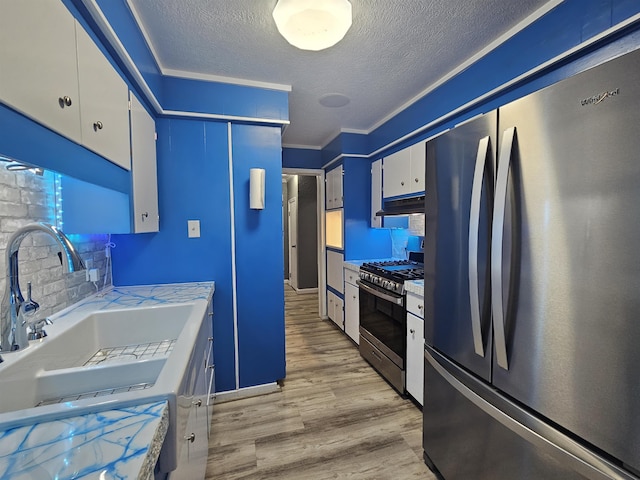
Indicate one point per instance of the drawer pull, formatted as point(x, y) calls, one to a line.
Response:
point(198, 403)
point(190, 438)
point(97, 126)
point(412, 331)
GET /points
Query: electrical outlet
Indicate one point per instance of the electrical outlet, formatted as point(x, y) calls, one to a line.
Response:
point(93, 274)
point(193, 228)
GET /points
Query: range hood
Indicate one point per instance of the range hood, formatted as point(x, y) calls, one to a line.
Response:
point(403, 206)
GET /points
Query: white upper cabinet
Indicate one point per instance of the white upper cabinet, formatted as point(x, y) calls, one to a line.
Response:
point(38, 69)
point(104, 106)
point(376, 193)
point(144, 169)
point(334, 188)
point(52, 72)
point(403, 171)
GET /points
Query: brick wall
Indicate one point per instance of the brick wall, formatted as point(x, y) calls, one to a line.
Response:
point(26, 198)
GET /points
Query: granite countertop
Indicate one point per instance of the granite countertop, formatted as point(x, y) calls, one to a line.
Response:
point(415, 286)
point(121, 443)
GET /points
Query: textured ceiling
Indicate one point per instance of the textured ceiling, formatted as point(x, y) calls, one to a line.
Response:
point(394, 50)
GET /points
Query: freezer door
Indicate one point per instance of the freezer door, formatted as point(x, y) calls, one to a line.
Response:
point(459, 190)
point(472, 432)
point(566, 267)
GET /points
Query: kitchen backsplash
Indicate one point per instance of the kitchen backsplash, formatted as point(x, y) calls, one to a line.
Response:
point(407, 239)
point(26, 198)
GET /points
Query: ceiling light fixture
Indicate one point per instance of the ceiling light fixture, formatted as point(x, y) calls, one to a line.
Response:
point(313, 24)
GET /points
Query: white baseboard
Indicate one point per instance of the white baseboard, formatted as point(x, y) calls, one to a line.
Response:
point(304, 291)
point(246, 392)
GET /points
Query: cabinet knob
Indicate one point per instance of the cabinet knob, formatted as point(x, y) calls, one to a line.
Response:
point(190, 438)
point(144, 215)
point(412, 331)
point(198, 403)
point(64, 101)
point(402, 183)
point(97, 126)
point(420, 307)
point(416, 180)
point(354, 297)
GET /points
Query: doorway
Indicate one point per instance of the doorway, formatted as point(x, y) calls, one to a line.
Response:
point(292, 219)
point(306, 272)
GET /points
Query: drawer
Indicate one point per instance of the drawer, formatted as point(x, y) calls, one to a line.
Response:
point(415, 304)
point(350, 276)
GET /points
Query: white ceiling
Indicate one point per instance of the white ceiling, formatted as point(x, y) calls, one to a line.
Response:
point(394, 52)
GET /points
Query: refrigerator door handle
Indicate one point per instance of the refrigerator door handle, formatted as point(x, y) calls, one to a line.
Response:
point(497, 229)
point(474, 228)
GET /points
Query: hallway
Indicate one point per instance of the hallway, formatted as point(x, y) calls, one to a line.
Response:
point(335, 417)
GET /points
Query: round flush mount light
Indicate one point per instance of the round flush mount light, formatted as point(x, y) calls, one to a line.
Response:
point(334, 100)
point(313, 24)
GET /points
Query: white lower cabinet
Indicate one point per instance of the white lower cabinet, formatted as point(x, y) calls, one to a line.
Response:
point(415, 357)
point(335, 309)
point(351, 307)
point(195, 431)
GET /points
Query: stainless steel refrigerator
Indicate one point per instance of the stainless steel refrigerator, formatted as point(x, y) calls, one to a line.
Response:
point(532, 285)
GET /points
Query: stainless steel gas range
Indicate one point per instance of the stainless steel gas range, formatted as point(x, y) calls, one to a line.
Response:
point(383, 315)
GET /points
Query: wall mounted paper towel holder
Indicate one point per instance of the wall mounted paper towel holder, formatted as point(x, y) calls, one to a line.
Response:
point(256, 188)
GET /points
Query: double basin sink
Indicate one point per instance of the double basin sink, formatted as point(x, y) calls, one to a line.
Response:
point(104, 360)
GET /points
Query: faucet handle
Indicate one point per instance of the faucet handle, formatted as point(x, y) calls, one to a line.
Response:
point(30, 306)
point(36, 331)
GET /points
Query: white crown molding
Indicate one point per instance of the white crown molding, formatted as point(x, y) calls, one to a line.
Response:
point(227, 118)
point(222, 79)
point(301, 147)
point(546, 8)
point(145, 34)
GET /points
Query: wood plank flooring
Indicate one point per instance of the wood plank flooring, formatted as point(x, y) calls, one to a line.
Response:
point(335, 417)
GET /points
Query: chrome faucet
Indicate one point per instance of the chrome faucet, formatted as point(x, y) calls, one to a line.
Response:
point(13, 333)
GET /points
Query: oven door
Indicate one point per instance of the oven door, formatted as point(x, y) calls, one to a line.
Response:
point(383, 321)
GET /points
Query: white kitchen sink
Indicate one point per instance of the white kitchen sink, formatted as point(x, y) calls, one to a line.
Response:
point(102, 360)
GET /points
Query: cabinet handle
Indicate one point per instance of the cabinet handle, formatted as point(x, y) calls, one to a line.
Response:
point(354, 297)
point(64, 101)
point(420, 307)
point(190, 438)
point(210, 314)
point(416, 180)
point(402, 183)
point(197, 403)
point(412, 331)
point(97, 126)
point(145, 215)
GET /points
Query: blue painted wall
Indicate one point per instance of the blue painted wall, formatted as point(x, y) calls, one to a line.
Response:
point(193, 184)
point(301, 158)
point(259, 254)
point(360, 240)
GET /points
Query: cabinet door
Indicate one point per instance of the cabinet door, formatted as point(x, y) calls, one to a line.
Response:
point(335, 263)
point(144, 169)
point(334, 309)
point(396, 173)
point(376, 193)
point(329, 189)
point(418, 160)
point(415, 357)
point(38, 74)
point(337, 188)
point(352, 312)
point(104, 103)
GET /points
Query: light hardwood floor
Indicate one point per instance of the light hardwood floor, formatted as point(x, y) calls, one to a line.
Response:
point(334, 418)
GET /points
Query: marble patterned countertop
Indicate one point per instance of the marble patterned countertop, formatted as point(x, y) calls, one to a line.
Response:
point(415, 286)
point(122, 443)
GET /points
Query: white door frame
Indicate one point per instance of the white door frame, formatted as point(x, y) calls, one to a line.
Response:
point(322, 275)
point(293, 243)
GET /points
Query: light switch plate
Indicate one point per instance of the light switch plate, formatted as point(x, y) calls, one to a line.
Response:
point(194, 228)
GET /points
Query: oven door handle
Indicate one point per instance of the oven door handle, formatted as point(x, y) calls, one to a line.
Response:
point(384, 296)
